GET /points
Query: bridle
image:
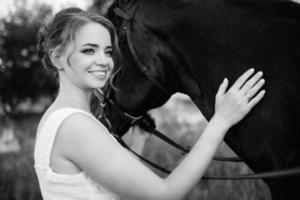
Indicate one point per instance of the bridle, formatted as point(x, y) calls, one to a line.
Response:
point(148, 125)
point(104, 96)
point(104, 99)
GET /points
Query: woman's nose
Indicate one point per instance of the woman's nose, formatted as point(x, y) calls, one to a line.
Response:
point(102, 60)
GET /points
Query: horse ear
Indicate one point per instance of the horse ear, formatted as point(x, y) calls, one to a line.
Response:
point(102, 6)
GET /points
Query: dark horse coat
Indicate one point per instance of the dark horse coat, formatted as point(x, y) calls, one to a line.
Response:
point(190, 46)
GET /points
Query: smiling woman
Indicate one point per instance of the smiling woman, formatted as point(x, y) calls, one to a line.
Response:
point(87, 61)
point(81, 49)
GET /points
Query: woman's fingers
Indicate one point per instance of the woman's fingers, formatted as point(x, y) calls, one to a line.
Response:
point(251, 82)
point(252, 91)
point(234, 104)
point(223, 87)
point(256, 99)
point(242, 79)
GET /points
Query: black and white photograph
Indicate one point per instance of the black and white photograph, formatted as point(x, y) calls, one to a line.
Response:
point(149, 99)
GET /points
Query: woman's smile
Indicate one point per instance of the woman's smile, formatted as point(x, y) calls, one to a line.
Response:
point(100, 73)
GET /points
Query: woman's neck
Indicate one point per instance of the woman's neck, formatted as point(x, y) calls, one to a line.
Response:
point(72, 96)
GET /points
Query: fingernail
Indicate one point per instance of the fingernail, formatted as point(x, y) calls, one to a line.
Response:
point(251, 70)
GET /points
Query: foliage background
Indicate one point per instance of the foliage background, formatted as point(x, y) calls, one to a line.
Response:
point(26, 90)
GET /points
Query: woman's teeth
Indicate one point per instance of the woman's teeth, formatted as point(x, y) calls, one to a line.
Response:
point(99, 74)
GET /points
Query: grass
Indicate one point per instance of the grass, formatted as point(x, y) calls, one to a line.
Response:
point(17, 177)
point(179, 119)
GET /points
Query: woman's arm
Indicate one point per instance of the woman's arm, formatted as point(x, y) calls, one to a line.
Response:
point(107, 162)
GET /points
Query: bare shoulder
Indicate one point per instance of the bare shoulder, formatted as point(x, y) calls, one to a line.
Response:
point(80, 126)
point(79, 120)
point(80, 131)
point(90, 146)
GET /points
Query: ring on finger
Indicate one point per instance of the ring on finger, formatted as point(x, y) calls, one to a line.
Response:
point(248, 95)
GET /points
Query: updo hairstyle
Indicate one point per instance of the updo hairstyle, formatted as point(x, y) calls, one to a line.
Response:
point(63, 29)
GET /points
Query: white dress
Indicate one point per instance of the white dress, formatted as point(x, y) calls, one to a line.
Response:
point(58, 186)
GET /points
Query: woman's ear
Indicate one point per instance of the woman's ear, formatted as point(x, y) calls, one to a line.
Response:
point(54, 56)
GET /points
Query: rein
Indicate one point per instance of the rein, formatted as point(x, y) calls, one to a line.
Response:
point(149, 127)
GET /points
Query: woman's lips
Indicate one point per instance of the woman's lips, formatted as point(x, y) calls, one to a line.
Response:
point(99, 74)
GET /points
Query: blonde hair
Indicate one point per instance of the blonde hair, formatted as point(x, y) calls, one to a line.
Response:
point(63, 29)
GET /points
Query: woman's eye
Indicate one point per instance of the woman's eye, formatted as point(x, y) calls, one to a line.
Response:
point(110, 52)
point(88, 51)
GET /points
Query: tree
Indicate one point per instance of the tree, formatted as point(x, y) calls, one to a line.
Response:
point(22, 77)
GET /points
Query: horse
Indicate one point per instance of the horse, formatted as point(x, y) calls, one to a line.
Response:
point(171, 46)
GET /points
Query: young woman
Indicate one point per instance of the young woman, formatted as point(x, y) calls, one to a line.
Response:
point(76, 157)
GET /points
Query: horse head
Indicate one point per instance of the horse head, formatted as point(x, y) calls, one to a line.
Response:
point(149, 83)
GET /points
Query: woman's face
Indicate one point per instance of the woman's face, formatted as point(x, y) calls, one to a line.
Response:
point(90, 57)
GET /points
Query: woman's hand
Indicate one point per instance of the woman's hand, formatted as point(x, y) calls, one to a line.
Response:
point(235, 104)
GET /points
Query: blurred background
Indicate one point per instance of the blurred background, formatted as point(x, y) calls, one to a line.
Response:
point(26, 90)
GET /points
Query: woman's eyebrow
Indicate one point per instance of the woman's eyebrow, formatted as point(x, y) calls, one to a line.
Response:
point(91, 44)
point(96, 45)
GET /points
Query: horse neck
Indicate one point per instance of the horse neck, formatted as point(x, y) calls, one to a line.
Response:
point(211, 35)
